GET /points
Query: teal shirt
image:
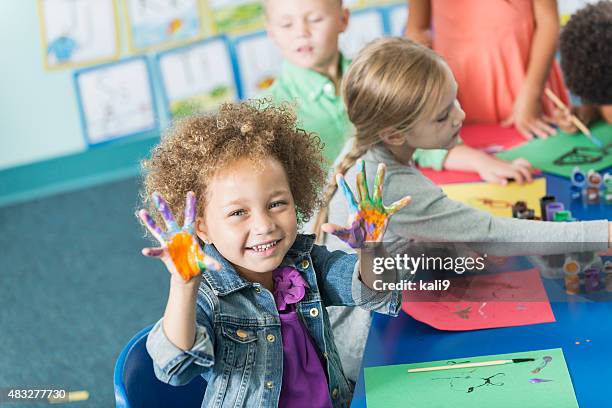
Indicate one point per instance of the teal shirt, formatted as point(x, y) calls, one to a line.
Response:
point(320, 110)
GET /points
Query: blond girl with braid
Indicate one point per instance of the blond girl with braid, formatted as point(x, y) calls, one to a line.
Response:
point(401, 96)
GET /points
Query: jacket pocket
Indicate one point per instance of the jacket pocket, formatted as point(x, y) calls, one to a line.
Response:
point(239, 346)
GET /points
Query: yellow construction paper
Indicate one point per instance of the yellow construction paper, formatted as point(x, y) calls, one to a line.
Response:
point(496, 199)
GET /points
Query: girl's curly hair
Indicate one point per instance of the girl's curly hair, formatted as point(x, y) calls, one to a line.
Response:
point(586, 52)
point(197, 147)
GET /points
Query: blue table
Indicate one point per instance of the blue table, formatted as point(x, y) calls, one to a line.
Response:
point(404, 340)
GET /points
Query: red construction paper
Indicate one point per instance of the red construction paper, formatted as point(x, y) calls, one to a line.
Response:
point(494, 300)
point(489, 138)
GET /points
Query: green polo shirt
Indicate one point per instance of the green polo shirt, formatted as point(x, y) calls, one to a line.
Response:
point(320, 110)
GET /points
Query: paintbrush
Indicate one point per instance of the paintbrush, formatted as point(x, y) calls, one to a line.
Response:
point(470, 365)
point(577, 122)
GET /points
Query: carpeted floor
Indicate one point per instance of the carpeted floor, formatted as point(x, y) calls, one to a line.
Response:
point(74, 289)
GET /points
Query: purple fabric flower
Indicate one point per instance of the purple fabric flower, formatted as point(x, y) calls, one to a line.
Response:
point(289, 287)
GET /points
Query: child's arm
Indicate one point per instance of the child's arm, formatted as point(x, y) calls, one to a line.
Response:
point(178, 331)
point(419, 22)
point(490, 168)
point(526, 114)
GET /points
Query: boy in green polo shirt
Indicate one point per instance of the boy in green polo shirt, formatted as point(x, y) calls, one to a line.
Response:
point(307, 31)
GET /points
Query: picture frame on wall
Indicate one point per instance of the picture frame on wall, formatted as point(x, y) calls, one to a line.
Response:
point(157, 24)
point(76, 33)
point(198, 77)
point(116, 100)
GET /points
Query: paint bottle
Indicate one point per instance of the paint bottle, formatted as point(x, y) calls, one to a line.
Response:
point(591, 279)
point(563, 216)
point(607, 270)
point(543, 202)
point(518, 207)
point(552, 208)
point(578, 180)
point(571, 268)
point(594, 181)
point(607, 180)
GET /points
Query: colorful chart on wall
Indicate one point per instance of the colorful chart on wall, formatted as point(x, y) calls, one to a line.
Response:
point(78, 32)
point(496, 199)
point(559, 154)
point(115, 100)
point(235, 16)
point(543, 383)
point(259, 63)
point(197, 78)
point(483, 301)
point(397, 18)
point(160, 23)
point(364, 26)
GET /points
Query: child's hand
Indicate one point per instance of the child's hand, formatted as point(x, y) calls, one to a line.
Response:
point(179, 249)
point(368, 218)
point(527, 117)
point(563, 119)
point(495, 170)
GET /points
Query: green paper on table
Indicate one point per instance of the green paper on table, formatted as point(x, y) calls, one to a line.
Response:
point(499, 386)
point(542, 153)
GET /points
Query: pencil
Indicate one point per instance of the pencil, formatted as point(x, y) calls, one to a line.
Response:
point(470, 365)
point(577, 122)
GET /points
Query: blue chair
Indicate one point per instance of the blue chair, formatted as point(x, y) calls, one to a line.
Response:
point(137, 387)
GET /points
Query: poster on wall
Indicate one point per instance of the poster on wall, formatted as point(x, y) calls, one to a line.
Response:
point(197, 78)
point(364, 26)
point(397, 18)
point(115, 100)
point(235, 16)
point(153, 24)
point(259, 63)
point(78, 32)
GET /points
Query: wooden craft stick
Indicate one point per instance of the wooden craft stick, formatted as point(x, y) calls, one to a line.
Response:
point(469, 365)
point(581, 126)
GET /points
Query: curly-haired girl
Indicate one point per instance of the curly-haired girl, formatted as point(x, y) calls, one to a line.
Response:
point(248, 312)
point(586, 52)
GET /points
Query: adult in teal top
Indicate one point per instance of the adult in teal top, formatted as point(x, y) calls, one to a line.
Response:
point(320, 109)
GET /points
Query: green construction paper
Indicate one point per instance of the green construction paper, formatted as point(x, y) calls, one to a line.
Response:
point(542, 153)
point(392, 386)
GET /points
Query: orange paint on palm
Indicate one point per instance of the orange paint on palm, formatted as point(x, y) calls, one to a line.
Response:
point(376, 218)
point(185, 253)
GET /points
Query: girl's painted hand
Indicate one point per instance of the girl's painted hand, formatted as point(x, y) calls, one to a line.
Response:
point(527, 117)
point(369, 217)
point(179, 248)
point(498, 171)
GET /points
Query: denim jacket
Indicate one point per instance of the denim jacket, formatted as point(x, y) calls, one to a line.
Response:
point(238, 346)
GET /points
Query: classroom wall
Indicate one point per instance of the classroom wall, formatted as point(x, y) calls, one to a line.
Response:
point(39, 114)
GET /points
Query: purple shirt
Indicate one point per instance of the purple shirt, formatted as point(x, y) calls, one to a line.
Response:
point(304, 377)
